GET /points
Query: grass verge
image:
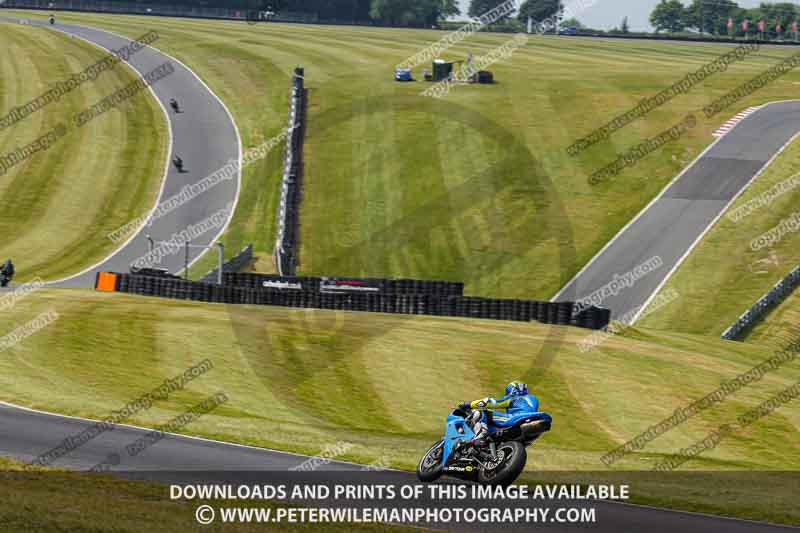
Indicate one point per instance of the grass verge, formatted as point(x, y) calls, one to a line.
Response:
point(492, 159)
point(54, 501)
point(59, 205)
point(302, 379)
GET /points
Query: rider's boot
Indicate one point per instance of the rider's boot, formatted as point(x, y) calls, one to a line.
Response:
point(480, 440)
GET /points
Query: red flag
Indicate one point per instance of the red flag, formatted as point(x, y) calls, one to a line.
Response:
point(745, 24)
point(730, 23)
point(761, 25)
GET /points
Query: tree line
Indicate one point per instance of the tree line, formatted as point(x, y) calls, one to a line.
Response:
point(726, 18)
point(413, 13)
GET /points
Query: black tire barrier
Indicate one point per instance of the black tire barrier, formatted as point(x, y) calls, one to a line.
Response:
point(564, 311)
point(552, 313)
point(375, 285)
point(243, 290)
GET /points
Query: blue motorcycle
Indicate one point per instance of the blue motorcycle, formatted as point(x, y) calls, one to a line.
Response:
point(498, 459)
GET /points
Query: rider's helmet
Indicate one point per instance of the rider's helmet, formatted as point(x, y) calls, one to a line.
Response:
point(516, 388)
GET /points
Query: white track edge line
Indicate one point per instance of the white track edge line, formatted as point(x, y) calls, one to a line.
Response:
point(634, 219)
point(658, 197)
point(164, 180)
point(180, 436)
point(238, 140)
point(350, 463)
point(711, 225)
point(236, 199)
point(166, 164)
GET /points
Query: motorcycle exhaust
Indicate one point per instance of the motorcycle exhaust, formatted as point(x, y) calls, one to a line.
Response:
point(534, 428)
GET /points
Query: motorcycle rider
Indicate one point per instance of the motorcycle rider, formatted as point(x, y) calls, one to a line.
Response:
point(6, 272)
point(174, 104)
point(516, 400)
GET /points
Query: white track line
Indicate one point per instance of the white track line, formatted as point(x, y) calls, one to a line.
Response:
point(166, 167)
point(633, 220)
point(166, 164)
point(350, 463)
point(702, 234)
point(238, 141)
point(711, 225)
point(180, 436)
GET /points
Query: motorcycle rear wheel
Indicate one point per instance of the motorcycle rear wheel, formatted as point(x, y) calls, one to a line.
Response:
point(513, 461)
point(430, 467)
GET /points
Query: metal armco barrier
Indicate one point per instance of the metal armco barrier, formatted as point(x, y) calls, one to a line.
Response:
point(431, 303)
point(231, 265)
point(289, 207)
point(764, 305)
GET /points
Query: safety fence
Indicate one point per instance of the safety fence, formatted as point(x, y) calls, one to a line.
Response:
point(289, 208)
point(561, 313)
point(234, 264)
point(764, 305)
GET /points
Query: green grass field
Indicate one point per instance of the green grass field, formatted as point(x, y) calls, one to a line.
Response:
point(476, 187)
point(723, 276)
point(779, 324)
point(391, 177)
point(52, 501)
point(301, 380)
point(60, 205)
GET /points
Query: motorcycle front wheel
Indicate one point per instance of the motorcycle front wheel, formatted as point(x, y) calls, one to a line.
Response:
point(511, 460)
point(430, 467)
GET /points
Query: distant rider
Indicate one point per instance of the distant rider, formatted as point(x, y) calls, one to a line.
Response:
point(6, 272)
point(517, 400)
point(178, 162)
point(174, 104)
point(52, 19)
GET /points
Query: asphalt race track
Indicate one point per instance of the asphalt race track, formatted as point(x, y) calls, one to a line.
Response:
point(204, 135)
point(671, 225)
point(206, 138)
point(176, 459)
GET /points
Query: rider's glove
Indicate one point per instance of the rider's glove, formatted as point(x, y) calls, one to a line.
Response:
point(486, 403)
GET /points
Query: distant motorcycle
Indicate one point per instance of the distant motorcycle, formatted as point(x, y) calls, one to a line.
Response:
point(174, 105)
point(6, 273)
point(499, 459)
point(178, 162)
point(52, 19)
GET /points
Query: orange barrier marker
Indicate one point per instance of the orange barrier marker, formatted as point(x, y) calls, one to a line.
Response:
point(106, 281)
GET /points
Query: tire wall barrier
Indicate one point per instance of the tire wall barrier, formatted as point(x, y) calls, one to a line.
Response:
point(328, 284)
point(392, 300)
point(231, 265)
point(289, 207)
point(764, 305)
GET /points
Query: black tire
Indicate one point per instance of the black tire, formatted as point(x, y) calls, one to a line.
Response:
point(430, 467)
point(510, 468)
